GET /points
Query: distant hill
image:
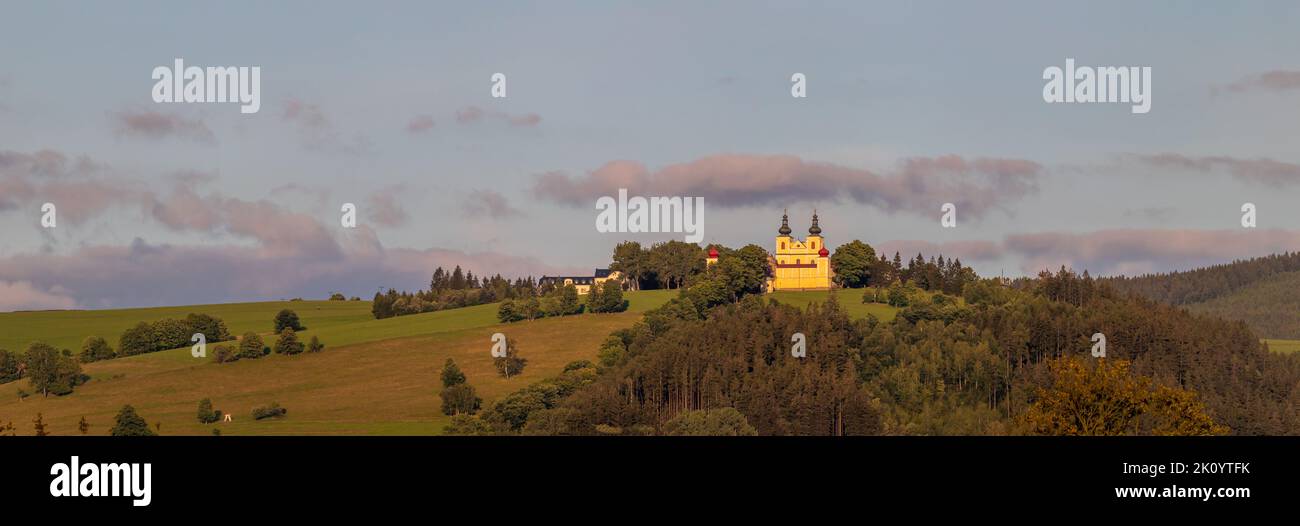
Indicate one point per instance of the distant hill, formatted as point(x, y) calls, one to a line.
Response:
point(1264, 292)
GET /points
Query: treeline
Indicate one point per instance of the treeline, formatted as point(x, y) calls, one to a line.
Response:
point(669, 265)
point(1193, 286)
point(164, 334)
point(450, 290)
point(564, 301)
point(1006, 361)
point(50, 371)
point(856, 265)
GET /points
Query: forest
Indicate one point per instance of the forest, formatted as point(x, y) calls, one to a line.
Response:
point(999, 359)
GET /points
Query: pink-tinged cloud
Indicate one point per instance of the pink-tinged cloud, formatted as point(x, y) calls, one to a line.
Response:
point(1140, 251)
point(151, 124)
point(384, 207)
point(22, 295)
point(142, 274)
point(489, 203)
point(317, 132)
point(967, 251)
point(475, 114)
point(1260, 170)
point(46, 163)
point(920, 185)
point(73, 186)
point(420, 124)
point(1273, 81)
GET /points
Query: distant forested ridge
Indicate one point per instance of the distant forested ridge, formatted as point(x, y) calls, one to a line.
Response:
point(1193, 286)
point(1264, 292)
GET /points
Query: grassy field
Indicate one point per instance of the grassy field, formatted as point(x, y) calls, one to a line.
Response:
point(374, 377)
point(850, 299)
point(1283, 346)
point(66, 329)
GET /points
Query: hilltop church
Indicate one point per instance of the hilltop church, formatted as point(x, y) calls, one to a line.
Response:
point(800, 265)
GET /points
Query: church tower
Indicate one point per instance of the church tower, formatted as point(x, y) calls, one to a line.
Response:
point(800, 265)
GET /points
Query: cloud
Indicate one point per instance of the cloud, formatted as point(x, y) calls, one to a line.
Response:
point(489, 203)
point(156, 125)
point(72, 185)
point(1138, 251)
point(1272, 81)
point(475, 114)
point(21, 295)
point(1260, 170)
point(316, 130)
point(919, 185)
point(420, 124)
point(385, 209)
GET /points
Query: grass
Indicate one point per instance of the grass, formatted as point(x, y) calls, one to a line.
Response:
point(1283, 346)
point(850, 300)
point(374, 377)
point(66, 329)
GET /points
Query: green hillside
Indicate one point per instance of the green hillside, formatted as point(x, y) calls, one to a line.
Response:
point(66, 329)
point(1271, 306)
point(374, 377)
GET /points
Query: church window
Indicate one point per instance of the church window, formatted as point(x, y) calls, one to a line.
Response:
point(783, 244)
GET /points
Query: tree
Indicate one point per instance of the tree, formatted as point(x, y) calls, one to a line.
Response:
point(251, 346)
point(606, 297)
point(136, 340)
point(206, 414)
point(1105, 399)
point(212, 328)
point(511, 363)
point(94, 349)
point(9, 366)
point(287, 319)
point(726, 421)
point(129, 424)
point(39, 424)
point(288, 342)
point(467, 425)
point(460, 398)
point(451, 374)
point(83, 426)
point(270, 411)
point(630, 261)
point(50, 371)
point(315, 345)
point(852, 263)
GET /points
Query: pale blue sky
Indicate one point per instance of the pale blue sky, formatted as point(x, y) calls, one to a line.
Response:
point(660, 84)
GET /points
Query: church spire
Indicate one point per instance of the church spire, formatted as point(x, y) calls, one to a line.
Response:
point(785, 224)
point(814, 229)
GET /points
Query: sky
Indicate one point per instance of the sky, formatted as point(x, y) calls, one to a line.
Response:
point(389, 106)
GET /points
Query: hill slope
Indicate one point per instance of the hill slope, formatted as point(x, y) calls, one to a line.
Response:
point(1271, 306)
point(374, 377)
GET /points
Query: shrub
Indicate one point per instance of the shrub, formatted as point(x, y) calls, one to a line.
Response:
point(271, 411)
point(726, 421)
point(224, 354)
point(129, 424)
point(251, 346)
point(206, 414)
point(460, 399)
point(287, 319)
point(94, 349)
point(337, 296)
point(288, 342)
point(315, 345)
point(467, 425)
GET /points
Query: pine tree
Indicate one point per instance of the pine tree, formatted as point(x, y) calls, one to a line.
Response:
point(129, 424)
point(451, 374)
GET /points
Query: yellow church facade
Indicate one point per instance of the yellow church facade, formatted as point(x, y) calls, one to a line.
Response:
point(800, 264)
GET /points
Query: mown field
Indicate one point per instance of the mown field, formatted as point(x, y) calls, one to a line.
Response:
point(374, 377)
point(1283, 346)
point(850, 299)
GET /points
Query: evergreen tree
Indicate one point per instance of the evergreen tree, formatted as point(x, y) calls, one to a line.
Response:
point(128, 423)
point(451, 374)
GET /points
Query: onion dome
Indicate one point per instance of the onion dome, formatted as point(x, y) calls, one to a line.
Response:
point(814, 229)
point(823, 252)
point(785, 225)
